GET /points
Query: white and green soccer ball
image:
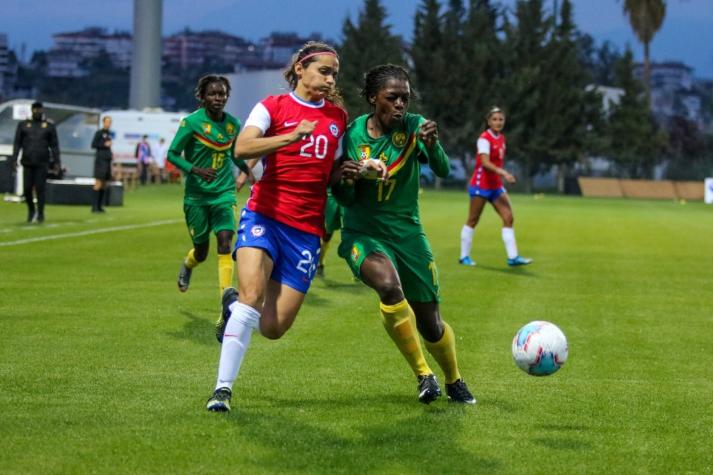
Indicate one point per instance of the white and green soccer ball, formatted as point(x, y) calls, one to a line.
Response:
point(540, 348)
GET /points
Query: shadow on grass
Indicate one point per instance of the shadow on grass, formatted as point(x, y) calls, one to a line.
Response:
point(516, 271)
point(196, 329)
point(407, 438)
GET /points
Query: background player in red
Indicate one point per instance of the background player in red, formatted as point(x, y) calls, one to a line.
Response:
point(277, 249)
point(486, 186)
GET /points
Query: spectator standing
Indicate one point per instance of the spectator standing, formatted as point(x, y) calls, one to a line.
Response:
point(143, 158)
point(159, 157)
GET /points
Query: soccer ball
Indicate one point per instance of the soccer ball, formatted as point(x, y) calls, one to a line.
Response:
point(539, 348)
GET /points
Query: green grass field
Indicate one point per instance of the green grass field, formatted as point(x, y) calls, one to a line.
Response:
point(105, 367)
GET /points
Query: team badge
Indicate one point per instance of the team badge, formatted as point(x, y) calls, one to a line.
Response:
point(257, 230)
point(230, 128)
point(398, 139)
point(44, 125)
point(183, 123)
point(355, 253)
point(334, 129)
point(206, 128)
point(364, 152)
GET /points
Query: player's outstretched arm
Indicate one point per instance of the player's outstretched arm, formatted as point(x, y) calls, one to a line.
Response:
point(252, 144)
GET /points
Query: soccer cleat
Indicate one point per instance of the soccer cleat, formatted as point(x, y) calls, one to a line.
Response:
point(230, 295)
point(458, 392)
point(428, 389)
point(220, 400)
point(184, 277)
point(519, 261)
point(466, 261)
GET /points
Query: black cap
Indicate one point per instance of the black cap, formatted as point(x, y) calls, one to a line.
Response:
point(37, 105)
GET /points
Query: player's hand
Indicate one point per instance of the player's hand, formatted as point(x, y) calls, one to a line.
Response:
point(374, 169)
point(107, 143)
point(349, 171)
point(510, 178)
point(428, 133)
point(303, 129)
point(207, 174)
point(243, 178)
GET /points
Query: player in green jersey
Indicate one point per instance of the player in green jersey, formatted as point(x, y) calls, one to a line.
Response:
point(203, 150)
point(332, 224)
point(382, 238)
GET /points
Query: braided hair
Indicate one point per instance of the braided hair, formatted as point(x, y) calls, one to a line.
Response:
point(305, 56)
point(205, 81)
point(377, 77)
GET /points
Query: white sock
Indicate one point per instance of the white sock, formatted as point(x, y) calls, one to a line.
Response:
point(466, 240)
point(510, 244)
point(243, 320)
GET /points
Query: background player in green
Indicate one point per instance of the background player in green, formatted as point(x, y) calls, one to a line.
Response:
point(332, 224)
point(206, 139)
point(382, 238)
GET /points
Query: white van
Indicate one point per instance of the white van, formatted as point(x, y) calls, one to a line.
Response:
point(130, 125)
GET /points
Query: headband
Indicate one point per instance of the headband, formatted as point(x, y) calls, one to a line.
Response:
point(329, 53)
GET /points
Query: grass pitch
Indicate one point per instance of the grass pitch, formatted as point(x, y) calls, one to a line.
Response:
point(105, 367)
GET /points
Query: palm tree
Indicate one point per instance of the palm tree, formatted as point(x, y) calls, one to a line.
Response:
point(646, 18)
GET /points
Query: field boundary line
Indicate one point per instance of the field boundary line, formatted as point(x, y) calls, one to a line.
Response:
point(89, 232)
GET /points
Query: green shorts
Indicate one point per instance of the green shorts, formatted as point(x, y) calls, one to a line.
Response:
point(332, 215)
point(412, 258)
point(202, 219)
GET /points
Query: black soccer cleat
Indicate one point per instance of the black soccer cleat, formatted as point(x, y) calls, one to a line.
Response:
point(428, 389)
point(220, 400)
point(458, 392)
point(184, 277)
point(230, 295)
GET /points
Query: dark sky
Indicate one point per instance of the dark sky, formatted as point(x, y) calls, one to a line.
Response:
point(687, 34)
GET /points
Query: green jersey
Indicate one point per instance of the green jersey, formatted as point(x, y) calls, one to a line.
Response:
point(206, 144)
point(388, 208)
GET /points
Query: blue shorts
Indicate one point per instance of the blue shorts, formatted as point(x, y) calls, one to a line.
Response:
point(294, 253)
point(490, 195)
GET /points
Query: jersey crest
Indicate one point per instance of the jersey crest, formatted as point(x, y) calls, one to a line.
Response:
point(334, 129)
point(398, 139)
point(206, 128)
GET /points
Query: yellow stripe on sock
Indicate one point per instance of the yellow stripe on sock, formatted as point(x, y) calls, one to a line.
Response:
point(398, 321)
point(190, 260)
point(225, 271)
point(444, 352)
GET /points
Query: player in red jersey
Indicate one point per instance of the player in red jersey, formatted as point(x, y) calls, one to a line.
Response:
point(486, 185)
point(298, 135)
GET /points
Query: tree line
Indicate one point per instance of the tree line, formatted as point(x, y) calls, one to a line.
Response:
point(532, 61)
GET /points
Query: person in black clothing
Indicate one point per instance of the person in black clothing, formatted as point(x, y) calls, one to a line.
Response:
point(37, 138)
point(102, 163)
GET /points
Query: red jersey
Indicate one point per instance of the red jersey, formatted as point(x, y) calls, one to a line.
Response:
point(293, 187)
point(494, 146)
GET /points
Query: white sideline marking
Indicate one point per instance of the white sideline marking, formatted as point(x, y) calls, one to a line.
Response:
point(89, 232)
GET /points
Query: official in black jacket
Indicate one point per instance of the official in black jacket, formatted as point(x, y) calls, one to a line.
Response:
point(102, 163)
point(37, 138)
